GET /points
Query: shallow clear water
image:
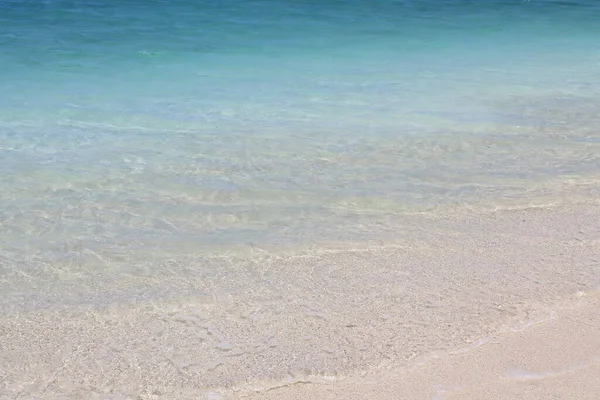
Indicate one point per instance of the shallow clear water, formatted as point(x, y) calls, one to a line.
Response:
point(139, 130)
point(202, 195)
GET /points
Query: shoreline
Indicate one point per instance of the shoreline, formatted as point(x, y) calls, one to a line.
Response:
point(82, 281)
point(448, 283)
point(554, 357)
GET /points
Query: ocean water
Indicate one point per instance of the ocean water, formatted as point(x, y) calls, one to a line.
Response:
point(155, 152)
point(176, 127)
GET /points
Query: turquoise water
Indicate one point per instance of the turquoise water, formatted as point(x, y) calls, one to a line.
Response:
point(142, 130)
point(177, 179)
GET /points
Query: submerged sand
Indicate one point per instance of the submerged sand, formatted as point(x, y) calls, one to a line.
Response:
point(472, 305)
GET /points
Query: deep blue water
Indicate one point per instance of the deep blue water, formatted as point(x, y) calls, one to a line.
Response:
point(154, 129)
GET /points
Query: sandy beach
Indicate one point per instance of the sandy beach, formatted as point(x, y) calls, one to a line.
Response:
point(488, 305)
point(553, 358)
point(290, 200)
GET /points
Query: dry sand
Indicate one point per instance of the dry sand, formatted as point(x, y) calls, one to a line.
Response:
point(346, 323)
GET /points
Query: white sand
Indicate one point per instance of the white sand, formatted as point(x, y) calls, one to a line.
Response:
point(228, 327)
point(556, 358)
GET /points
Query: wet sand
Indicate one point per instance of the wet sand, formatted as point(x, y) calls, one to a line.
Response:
point(554, 358)
point(352, 322)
